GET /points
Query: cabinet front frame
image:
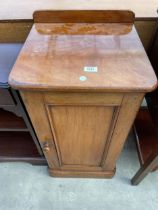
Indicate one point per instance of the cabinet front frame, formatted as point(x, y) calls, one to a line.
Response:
point(119, 129)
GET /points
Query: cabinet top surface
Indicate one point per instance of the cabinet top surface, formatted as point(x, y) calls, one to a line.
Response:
point(112, 60)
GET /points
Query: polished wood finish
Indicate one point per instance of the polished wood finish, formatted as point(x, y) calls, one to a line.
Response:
point(92, 149)
point(83, 28)
point(15, 26)
point(44, 132)
point(110, 99)
point(100, 51)
point(82, 118)
point(17, 31)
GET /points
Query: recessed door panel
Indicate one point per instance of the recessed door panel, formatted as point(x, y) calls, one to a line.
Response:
point(80, 132)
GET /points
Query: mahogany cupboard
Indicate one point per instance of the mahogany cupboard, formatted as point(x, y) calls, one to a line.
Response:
point(82, 76)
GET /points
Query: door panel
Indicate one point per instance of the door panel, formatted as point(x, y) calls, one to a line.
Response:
point(80, 132)
point(74, 136)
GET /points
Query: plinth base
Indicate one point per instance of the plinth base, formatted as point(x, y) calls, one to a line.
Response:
point(81, 174)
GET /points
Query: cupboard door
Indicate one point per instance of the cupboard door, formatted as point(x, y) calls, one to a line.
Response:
point(80, 133)
point(74, 129)
point(81, 128)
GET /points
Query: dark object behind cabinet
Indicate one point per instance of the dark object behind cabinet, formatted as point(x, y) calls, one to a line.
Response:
point(146, 126)
point(152, 98)
point(18, 141)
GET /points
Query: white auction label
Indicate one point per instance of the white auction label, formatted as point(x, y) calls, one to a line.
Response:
point(91, 69)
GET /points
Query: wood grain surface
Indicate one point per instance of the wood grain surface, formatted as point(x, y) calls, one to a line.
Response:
point(78, 139)
point(83, 16)
point(82, 117)
point(74, 135)
point(83, 28)
point(57, 63)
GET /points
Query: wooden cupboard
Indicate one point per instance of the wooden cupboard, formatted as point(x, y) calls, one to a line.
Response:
point(82, 133)
point(82, 84)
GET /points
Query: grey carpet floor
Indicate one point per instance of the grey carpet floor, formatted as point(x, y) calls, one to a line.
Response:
point(27, 187)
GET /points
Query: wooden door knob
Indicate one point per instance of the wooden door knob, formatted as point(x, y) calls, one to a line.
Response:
point(46, 147)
